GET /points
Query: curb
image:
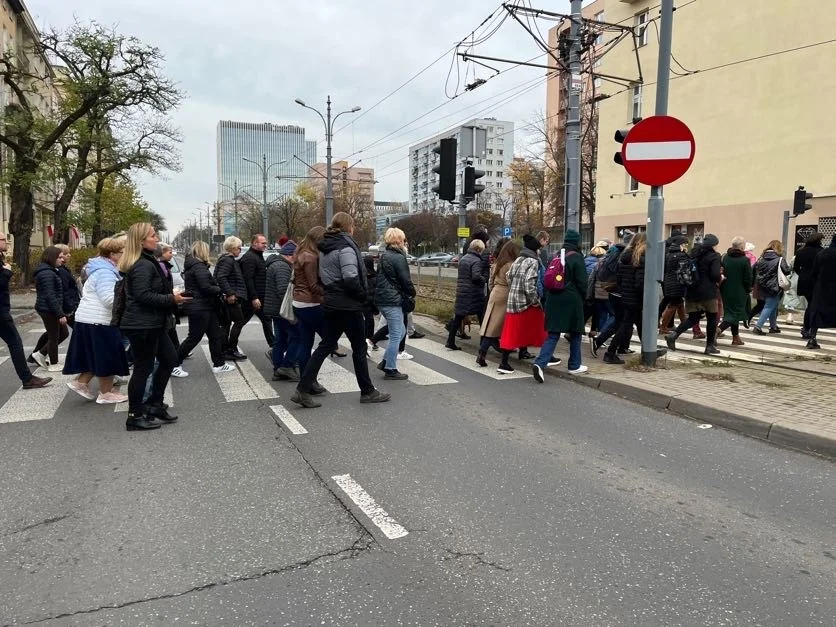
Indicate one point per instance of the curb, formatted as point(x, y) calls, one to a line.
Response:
point(773, 432)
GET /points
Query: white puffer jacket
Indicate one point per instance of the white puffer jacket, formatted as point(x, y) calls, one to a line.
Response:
point(96, 306)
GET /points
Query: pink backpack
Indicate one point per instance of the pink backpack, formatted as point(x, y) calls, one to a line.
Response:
point(555, 279)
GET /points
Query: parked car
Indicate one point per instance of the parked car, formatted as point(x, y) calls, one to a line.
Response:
point(410, 259)
point(434, 259)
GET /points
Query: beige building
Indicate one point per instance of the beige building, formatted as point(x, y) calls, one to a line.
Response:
point(18, 34)
point(353, 186)
point(756, 87)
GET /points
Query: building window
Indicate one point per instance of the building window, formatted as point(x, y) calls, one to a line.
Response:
point(489, 173)
point(642, 27)
point(489, 162)
point(500, 129)
point(596, 82)
point(636, 102)
point(632, 185)
point(499, 152)
point(599, 39)
point(499, 184)
point(490, 151)
point(490, 129)
point(500, 162)
point(499, 175)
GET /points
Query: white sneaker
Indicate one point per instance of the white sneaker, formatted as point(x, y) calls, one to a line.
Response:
point(404, 355)
point(111, 398)
point(55, 367)
point(224, 368)
point(117, 380)
point(579, 370)
point(179, 373)
point(41, 359)
point(81, 389)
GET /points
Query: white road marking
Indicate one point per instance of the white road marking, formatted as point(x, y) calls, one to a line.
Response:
point(337, 379)
point(288, 420)
point(390, 527)
point(233, 385)
point(260, 387)
point(466, 360)
point(3, 360)
point(418, 374)
point(653, 151)
point(39, 403)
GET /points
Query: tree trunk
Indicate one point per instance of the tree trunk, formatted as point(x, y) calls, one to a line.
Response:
point(97, 209)
point(21, 220)
point(71, 185)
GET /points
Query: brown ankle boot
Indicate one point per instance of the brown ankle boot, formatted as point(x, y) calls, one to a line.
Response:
point(736, 341)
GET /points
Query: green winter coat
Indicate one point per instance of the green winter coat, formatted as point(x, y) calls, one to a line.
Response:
point(737, 285)
point(564, 309)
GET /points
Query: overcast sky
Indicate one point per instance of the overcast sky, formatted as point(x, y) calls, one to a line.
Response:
point(248, 60)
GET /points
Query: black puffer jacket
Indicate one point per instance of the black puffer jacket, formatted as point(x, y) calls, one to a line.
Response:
point(202, 286)
point(279, 270)
point(470, 286)
point(5, 279)
point(71, 296)
point(254, 270)
point(709, 271)
point(766, 270)
point(393, 280)
point(342, 273)
point(229, 277)
point(149, 303)
point(631, 280)
point(803, 267)
point(50, 293)
point(672, 287)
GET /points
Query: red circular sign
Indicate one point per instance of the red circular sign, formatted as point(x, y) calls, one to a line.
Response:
point(658, 150)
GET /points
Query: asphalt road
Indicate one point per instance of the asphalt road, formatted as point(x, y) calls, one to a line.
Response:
point(521, 504)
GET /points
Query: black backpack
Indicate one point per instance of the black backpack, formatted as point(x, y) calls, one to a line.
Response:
point(607, 272)
point(687, 272)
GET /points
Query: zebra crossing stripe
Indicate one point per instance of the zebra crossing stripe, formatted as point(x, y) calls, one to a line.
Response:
point(418, 374)
point(259, 386)
point(233, 385)
point(466, 360)
point(288, 420)
point(36, 404)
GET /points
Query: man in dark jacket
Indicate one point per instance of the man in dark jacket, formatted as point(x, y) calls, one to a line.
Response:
point(824, 293)
point(803, 267)
point(8, 330)
point(701, 296)
point(345, 286)
point(254, 269)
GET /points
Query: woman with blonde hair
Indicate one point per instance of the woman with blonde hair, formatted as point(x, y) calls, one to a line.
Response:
point(769, 287)
point(394, 297)
point(231, 281)
point(205, 295)
point(148, 315)
point(96, 348)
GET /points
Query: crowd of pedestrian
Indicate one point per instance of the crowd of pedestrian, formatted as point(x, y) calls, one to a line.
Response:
point(125, 313)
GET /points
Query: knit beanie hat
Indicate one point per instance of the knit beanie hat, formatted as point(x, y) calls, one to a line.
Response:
point(288, 248)
point(711, 240)
point(572, 237)
point(530, 242)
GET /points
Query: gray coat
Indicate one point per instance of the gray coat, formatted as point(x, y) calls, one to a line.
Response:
point(342, 273)
point(279, 270)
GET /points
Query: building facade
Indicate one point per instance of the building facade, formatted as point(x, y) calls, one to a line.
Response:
point(750, 84)
point(353, 187)
point(499, 152)
point(282, 148)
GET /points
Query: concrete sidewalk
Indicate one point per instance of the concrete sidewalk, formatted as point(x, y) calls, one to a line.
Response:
point(787, 404)
point(23, 306)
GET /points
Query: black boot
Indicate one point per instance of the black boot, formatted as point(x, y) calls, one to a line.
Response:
point(160, 412)
point(139, 422)
point(670, 339)
point(480, 360)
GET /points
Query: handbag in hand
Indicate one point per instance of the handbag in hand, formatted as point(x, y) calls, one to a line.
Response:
point(286, 310)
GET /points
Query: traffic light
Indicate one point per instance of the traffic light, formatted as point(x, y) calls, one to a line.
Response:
point(800, 204)
point(620, 136)
point(471, 188)
point(446, 169)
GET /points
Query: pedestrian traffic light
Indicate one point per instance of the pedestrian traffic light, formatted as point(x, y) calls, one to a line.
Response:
point(446, 169)
point(471, 188)
point(800, 204)
point(620, 136)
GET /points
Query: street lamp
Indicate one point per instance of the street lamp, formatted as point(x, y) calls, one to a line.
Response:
point(235, 191)
point(264, 170)
point(329, 131)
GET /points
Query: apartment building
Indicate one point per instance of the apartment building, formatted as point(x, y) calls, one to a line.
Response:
point(18, 35)
point(353, 186)
point(499, 152)
point(243, 151)
point(750, 81)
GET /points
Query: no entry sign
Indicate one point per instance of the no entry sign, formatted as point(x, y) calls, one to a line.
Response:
point(658, 150)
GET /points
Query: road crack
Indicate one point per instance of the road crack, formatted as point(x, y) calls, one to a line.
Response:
point(42, 523)
point(358, 547)
point(480, 561)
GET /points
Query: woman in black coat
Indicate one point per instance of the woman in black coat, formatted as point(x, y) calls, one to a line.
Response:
point(674, 300)
point(231, 281)
point(470, 290)
point(49, 303)
point(802, 265)
point(147, 317)
point(701, 296)
point(630, 282)
point(824, 293)
point(202, 310)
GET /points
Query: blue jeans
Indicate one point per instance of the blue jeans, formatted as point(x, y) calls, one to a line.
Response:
point(394, 319)
point(770, 311)
point(311, 321)
point(285, 343)
point(547, 350)
point(604, 313)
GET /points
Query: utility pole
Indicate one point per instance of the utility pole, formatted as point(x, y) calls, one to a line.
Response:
point(265, 226)
point(655, 256)
point(573, 122)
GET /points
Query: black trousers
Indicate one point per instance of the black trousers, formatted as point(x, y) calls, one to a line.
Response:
point(55, 334)
point(9, 334)
point(628, 317)
point(694, 318)
point(351, 323)
point(248, 312)
point(148, 345)
point(456, 323)
point(203, 323)
point(735, 327)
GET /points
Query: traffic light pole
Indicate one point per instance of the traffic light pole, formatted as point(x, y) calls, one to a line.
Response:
point(573, 122)
point(655, 257)
point(785, 233)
